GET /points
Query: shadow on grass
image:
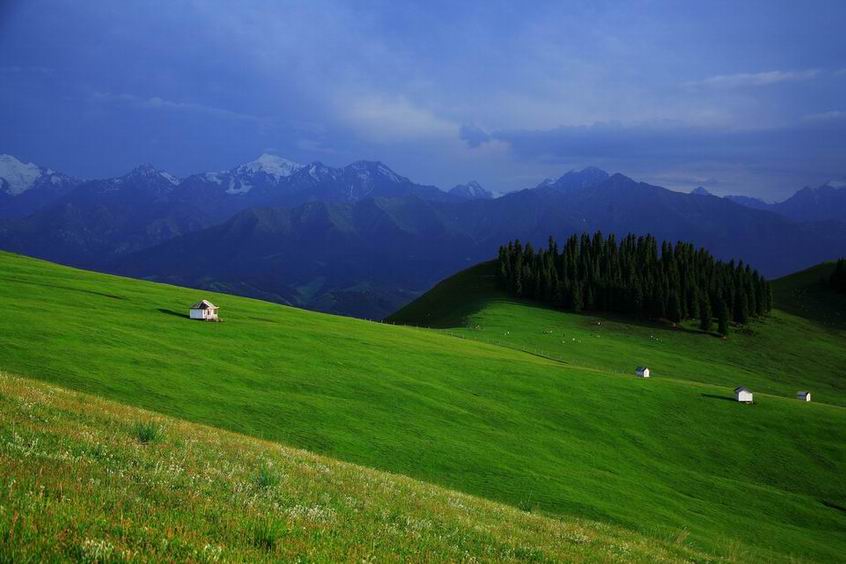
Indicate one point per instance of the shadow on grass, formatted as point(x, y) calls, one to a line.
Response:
point(172, 312)
point(715, 396)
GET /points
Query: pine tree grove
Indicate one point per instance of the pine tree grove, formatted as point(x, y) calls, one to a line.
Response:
point(677, 282)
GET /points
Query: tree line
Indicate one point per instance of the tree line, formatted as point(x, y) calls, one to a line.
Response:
point(838, 277)
point(636, 277)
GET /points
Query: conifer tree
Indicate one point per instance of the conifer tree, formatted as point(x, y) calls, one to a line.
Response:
point(576, 298)
point(705, 322)
point(674, 307)
point(741, 307)
point(722, 318)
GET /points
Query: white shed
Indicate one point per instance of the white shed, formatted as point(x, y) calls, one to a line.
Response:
point(642, 372)
point(743, 394)
point(803, 396)
point(204, 310)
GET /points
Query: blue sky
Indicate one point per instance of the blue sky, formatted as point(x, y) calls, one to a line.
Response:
point(741, 97)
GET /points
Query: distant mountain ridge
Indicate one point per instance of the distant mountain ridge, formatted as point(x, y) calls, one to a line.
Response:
point(362, 239)
point(27, 187)
point(823, 203)
point(89, 223)
point(367, 256)
point(471, 191)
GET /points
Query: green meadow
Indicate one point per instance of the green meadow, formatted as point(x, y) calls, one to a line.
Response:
point(800, 346)
point(545, 416)
point(89, 480)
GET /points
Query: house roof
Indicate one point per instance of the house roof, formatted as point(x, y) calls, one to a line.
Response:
point(742, 389)
point(802, 393)
point(642, 368)
point(204, 304)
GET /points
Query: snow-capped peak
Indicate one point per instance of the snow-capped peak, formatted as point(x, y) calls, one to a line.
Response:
point(19, 176)
point(149, 171)
point(169, 177)
point(471, 191)
point(271, 165)
point(836, 183)
point(365, 169)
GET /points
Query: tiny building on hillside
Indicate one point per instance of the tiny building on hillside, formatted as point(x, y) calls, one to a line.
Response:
point(204, 311)
point(743, 394)
point(642, 372)
point(803, 396)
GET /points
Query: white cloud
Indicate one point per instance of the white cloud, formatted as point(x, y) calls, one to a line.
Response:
point(387, 119)
point(826, 116)
point(158, 103)
point(742, 80)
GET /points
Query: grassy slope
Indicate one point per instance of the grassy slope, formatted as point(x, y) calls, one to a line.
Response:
point(70, 463)
point(663, 456)
point(799, 347)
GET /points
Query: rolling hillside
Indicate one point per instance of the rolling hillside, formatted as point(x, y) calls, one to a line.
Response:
point(800, 346)
point(67, 460)
point(668, 457)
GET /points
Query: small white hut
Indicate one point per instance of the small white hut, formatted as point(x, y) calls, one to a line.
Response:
point(743, 394)
point(204, 311)
point(642, 372)
point(803, 396)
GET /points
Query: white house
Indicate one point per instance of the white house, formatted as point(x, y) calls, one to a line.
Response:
point(204, 310)
point(803, 396)
point(743, 394)
point(642, 372)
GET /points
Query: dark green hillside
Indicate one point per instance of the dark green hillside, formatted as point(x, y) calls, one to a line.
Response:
point(809, 294)
point(669, 458)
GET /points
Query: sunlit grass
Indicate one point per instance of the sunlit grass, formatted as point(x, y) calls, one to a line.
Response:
point(76, 484)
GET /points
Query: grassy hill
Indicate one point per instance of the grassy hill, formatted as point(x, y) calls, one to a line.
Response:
point(668, 458)
point(70, 463)
point(801, 346)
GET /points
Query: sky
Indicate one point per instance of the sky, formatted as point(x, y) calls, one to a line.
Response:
point(741, 97)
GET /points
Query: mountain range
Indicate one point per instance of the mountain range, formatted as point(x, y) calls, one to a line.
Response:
point(362, 240)
point(823, 203)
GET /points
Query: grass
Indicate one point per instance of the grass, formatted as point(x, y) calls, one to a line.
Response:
point(146, 431)
point(267, 477)
point(75, 485)
point(668, 458)
point(801, 346)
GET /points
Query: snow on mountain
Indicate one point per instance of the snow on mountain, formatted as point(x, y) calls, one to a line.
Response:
point(838, 183)
point(169, 177)
point(701, 191)
point(366, 170)
point(19, 176)
point(215, 177)
point(272, 165)
point(237, 187)
point(471, 191)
